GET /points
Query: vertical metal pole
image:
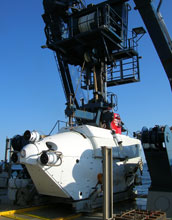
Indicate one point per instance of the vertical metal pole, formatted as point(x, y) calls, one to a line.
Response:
point(105, 79)
point(107, 183)
point(121, 69)
point(71, 116)
point(6, 151)
point(9, 157)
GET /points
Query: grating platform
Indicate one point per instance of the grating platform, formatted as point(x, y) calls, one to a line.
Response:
point(141, 215)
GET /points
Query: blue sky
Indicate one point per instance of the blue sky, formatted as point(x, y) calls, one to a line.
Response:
point(31, 94)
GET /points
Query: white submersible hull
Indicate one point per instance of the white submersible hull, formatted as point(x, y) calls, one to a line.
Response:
point(69, 164)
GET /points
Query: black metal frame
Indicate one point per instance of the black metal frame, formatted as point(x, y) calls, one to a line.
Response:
point(97, 37)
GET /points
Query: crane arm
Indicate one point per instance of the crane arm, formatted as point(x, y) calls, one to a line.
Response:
point(158, 33)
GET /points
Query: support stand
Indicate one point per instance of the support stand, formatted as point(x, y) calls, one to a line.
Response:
point(107, 183)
